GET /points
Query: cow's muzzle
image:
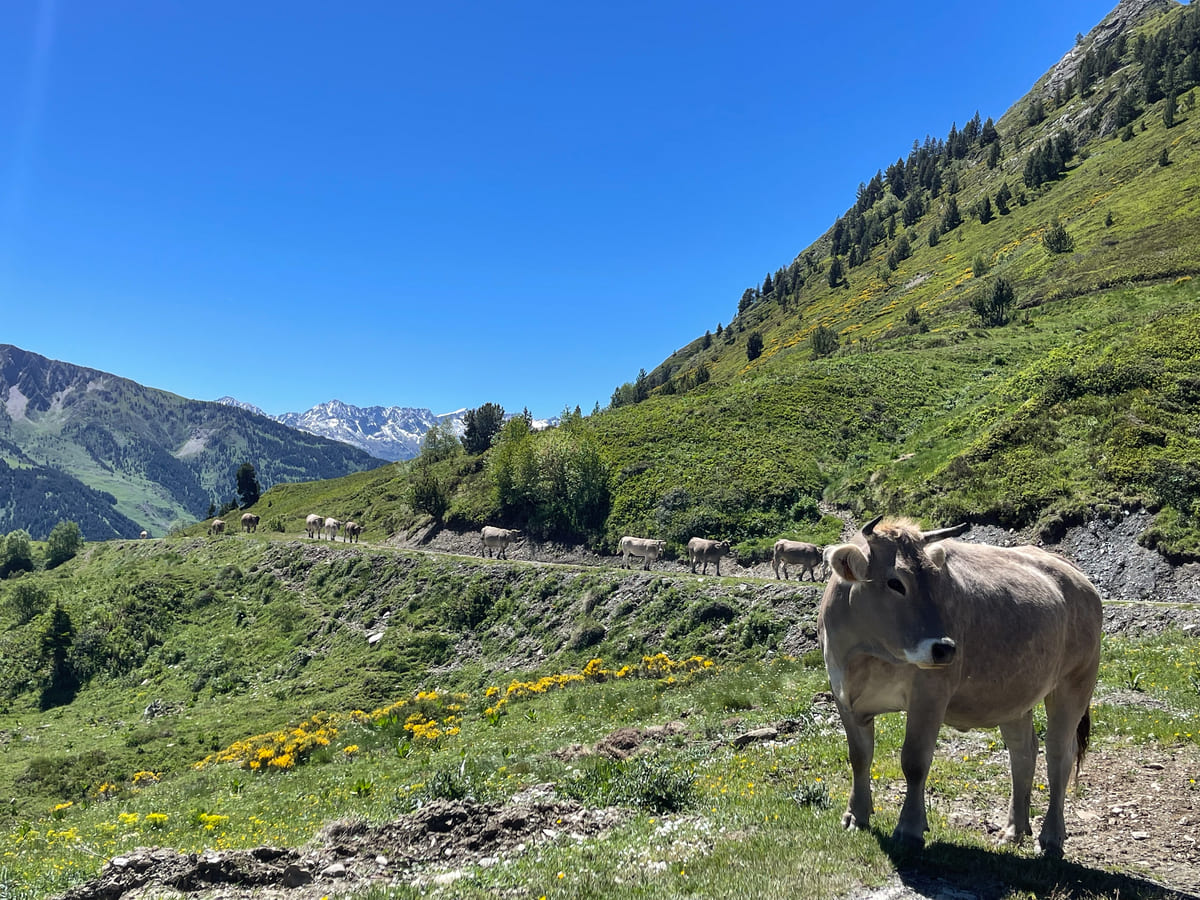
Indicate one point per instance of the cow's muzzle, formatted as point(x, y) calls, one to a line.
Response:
point(934, 653)
point(942, 652)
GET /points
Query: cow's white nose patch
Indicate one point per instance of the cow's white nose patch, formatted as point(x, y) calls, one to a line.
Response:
point(924, 656)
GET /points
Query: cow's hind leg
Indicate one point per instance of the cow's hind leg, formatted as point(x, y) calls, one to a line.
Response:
point(1063, 717)
point(1021, 740)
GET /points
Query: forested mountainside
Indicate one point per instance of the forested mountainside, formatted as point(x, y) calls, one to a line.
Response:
point(1002, 327)
point(116, 457)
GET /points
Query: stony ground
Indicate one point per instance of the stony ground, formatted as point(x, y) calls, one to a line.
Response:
point(1137, 810)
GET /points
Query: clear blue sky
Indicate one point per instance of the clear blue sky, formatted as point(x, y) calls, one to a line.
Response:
point(445, 204)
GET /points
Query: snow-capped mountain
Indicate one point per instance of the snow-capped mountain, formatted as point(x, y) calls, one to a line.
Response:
point(386, 432)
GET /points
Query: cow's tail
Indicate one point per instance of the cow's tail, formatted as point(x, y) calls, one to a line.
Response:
point(1083, 733)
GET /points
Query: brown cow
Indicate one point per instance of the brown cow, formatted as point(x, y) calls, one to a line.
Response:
point(249, 522)
point(967, 634)
point(313, 525)
point(706, 551)
point(807, 557)
point(351, 531)
point(217, 526)
point(644, 548)
point(498, 539)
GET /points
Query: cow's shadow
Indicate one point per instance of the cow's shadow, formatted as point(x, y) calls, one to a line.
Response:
point(946, 871)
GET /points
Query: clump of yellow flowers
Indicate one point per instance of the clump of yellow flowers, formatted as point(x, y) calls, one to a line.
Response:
point(428, 717)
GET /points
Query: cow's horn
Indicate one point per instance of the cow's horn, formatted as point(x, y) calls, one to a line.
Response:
point(869, 528)
point(929, 537)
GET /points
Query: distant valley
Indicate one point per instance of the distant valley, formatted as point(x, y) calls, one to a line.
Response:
point(117, 457)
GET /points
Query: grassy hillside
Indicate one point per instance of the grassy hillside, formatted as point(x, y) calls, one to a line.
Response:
point(245, 691)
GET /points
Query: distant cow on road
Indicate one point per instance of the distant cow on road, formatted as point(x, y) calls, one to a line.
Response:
point(351, 531)
point(217, 526)
point(702, 550)
point(498, 539)
point(313, 525)
point(806, 557)
point(249, 522)
point(645, 548)
point(331, 528)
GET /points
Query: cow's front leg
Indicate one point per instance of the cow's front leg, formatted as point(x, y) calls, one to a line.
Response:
point(860, 739)
point(1021, 740)
point(916, 756)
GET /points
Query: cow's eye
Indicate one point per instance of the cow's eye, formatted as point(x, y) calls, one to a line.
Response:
point(896, 585)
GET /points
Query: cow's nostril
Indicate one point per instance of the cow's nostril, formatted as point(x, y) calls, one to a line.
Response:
point(942, 651)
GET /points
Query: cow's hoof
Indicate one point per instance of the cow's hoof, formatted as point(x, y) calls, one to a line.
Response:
point(908, 842)
point(852, 823)
point(1012, 835)
point(1049, 850)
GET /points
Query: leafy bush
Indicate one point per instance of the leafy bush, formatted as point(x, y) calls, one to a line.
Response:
point(824, 341)
point(992, 304)
point(64, 542)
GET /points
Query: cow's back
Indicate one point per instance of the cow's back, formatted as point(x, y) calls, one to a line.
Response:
point(1024, 619)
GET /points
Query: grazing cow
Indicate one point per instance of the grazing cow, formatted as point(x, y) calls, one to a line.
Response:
point(645, 548)
point(331, 528)
point(144, 535)
point(313, 525)
point(351, 531)
point(806, 557)
point(967, 634)
point(702, 550)
point(498, 539)
point(249, 522)
point(217, 526)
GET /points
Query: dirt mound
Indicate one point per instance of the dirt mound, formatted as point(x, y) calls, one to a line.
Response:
point(425, 846)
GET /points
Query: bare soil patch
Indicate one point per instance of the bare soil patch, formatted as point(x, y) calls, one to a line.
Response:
point(429, 846)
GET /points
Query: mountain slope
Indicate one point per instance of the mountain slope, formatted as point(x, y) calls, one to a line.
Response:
point(116, 457)
point(885, 389)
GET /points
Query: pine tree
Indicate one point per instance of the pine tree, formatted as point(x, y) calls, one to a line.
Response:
point(989, 134)
point(952, 218)
point(1057, 240)
point(836, 272)
point(62, 683)
point(480, 426)
point(1003, 196)
point(754, 346)
point(993, 158)
point(912, 211)
point(247, 485)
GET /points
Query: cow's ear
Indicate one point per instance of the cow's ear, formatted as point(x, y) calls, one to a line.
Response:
point(849, 562)
point(937, 555)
